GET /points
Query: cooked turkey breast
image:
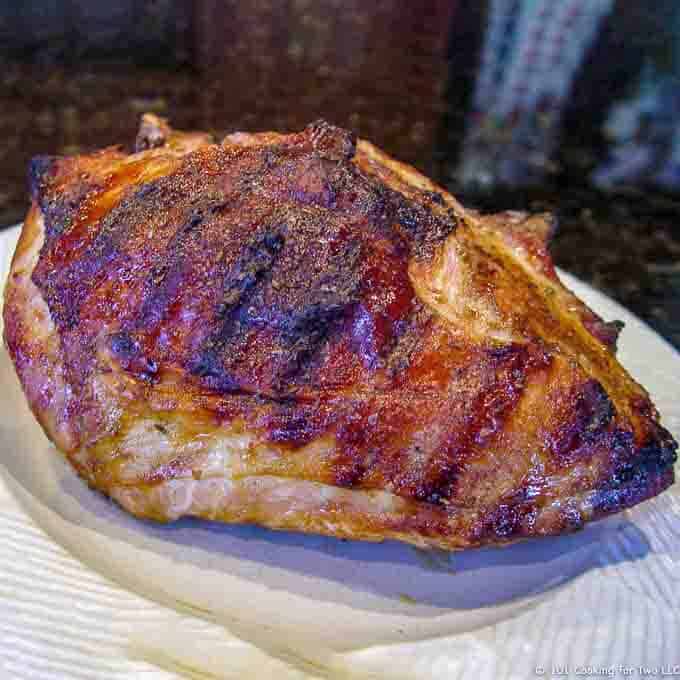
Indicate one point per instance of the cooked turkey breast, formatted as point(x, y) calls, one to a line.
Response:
point(298, 331)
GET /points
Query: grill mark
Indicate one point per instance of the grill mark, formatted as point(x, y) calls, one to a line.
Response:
point(167, 275)
point(305, 341)
point(240, 285)
point(67, 288)
point(409, 336)
point(364, 441)
point(249, 271)
point(289, 421)
point(309, 314)
point(301, 325)
point(309, 325)
point(491, 409)
point(354, 432)
point(294, 317)
point(319, 314)
point(589, 418)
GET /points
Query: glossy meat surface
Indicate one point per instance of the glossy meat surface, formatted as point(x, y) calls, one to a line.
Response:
point(298, 331)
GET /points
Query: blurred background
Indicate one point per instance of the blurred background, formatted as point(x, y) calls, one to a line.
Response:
point(564, 105)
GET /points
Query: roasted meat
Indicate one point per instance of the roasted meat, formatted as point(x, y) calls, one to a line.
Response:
point(296, 330)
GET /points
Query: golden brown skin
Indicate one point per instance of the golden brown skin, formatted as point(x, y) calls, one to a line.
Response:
point(298, 331)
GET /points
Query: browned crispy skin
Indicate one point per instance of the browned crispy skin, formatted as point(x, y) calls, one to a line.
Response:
point(297, 330)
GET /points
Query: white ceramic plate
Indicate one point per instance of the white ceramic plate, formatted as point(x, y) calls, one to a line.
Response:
point(306, 606)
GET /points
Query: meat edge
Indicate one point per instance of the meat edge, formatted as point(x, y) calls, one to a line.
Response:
point(277, 503)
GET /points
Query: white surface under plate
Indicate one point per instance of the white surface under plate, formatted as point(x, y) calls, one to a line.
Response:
point(88, 591)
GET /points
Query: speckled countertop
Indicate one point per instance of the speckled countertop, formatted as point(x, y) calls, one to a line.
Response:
point(626, 245)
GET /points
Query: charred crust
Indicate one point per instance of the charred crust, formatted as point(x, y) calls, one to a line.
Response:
point(409, 338)
point(643, 475)
point(594, 409)
point(289, 422)
point(39, 170)
point(587, 422)
point(421, 226)
point(506, 521)
point(128, 352)
point(242, 280)
point(257, 260)
point(658, 455)
point(240, 284)
point(59, 204)
point(123, 346)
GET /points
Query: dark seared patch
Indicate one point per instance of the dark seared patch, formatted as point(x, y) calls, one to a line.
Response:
point(638, 473)
point(357, 438)
point(652, 459)
point(409, 336)
point(589, 417)
point(309, 317)
point(505, 521)
point(129, 355)
point(39, 170)
point(422, 226)
point(252, 266)
point(59, 207)
point(239, 285)
point(292, 422)
point(123, 346)
point(515, 515)
point(304, 340)
point(595, 409)
point(278, 308)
